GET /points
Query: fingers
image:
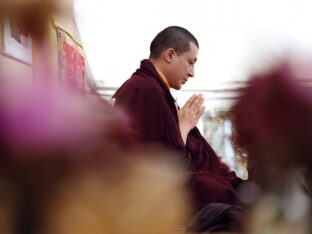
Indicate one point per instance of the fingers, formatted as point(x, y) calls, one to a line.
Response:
point(201, 111)
point(191, 112)
point(189, 102)
point(195, 102)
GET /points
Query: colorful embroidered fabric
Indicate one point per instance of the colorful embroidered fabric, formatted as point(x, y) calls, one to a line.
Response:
point(71, 62)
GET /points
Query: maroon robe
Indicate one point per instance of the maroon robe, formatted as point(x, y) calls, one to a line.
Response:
point(152, 109)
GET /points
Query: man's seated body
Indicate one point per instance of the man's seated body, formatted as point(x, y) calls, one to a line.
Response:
point(156, 118)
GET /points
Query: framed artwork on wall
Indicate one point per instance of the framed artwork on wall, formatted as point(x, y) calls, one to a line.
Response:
point(17, 43)
point(71, 61)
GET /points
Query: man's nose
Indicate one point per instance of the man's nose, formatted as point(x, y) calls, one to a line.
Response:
point(191, 72)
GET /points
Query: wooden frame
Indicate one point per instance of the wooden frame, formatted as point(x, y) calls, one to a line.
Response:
point(16, 44)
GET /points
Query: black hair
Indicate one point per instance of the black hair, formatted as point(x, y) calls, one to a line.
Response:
point(174, 37)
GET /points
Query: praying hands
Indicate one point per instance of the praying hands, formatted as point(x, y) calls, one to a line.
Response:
point(189, 114)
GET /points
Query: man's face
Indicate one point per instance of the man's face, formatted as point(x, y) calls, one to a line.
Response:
point(182, 67)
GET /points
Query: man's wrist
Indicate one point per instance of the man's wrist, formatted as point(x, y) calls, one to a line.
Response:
point(184, 130)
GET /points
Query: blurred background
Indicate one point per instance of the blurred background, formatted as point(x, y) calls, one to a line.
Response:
point(111, 38)
point(87, 49)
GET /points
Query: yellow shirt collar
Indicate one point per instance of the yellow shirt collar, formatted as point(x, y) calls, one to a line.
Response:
point(163, 77)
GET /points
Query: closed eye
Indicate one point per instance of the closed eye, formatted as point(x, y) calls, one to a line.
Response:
point(192, 62)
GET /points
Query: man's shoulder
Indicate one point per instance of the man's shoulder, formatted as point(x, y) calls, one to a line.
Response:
point(141, 83)
point(139, 91)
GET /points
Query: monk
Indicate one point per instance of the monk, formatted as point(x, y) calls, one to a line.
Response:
point(156, 118)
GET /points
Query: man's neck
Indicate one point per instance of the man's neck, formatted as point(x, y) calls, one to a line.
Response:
point(160, 72)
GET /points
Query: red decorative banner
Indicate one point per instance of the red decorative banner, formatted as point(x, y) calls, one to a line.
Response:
point(71, 63)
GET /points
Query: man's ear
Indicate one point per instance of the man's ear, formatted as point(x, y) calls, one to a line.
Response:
point(168, 55)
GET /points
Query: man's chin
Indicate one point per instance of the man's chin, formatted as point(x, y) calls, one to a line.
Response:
point(177, 87)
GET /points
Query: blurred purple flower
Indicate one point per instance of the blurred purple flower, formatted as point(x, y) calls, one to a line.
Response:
point(273, 123)
point(46, 120)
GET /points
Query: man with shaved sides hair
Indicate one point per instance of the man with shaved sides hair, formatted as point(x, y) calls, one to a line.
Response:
point(157, 119)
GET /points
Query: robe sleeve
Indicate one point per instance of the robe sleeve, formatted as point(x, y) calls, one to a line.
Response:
point(151, 116)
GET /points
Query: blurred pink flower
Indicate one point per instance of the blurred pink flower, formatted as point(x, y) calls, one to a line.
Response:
point(42, 119)
point(273, 123)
